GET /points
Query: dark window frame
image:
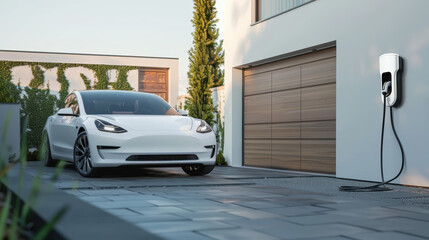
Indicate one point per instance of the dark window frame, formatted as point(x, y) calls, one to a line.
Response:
point(257, 9)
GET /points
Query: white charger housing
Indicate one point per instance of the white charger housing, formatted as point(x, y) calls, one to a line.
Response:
point(389, 67)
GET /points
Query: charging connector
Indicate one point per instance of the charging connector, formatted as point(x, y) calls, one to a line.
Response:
point(386, 89)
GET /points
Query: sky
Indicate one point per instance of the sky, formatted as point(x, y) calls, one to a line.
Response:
point(156, 28)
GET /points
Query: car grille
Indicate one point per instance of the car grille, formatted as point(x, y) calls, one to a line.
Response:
point(180, 157)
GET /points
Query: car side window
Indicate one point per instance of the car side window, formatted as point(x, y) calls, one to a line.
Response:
point(71, 102)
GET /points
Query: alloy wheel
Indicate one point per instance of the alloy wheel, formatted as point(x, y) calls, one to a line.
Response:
point(82, 155)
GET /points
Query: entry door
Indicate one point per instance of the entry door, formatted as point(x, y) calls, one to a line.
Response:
point(154, 80)
point(290, 113)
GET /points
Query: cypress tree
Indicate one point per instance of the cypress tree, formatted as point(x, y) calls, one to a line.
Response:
point(206, 58)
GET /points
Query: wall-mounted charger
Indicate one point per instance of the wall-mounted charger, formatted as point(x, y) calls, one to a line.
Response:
point(389, 67)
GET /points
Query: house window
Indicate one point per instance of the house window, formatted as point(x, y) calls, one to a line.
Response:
point(269, 8)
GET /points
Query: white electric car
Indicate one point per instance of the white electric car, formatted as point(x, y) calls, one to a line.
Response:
point(110, 128)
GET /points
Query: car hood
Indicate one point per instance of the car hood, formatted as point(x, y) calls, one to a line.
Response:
point(149, 123)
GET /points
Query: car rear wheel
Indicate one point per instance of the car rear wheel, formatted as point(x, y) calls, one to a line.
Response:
point(82, 157)
point(47, 157)
point(198, 170)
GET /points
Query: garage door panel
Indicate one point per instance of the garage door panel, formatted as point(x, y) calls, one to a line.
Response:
point(286, 131)
point(286, 78)
point(290, 113)
point(259, 83)
point(320, 72)
point(286, 106)
point(257, 153)
point(318, 103)
point(257, 131)
point(286, 154)
point(257, 109)
point(318, 155)
point(318, 130)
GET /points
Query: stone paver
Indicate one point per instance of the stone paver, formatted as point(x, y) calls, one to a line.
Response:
point(243, 203)
point(227, 234)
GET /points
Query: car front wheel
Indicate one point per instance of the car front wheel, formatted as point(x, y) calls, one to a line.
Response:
point(82, 157)
point(198, 170)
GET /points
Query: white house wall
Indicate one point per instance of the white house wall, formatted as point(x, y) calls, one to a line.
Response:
point(362, 30)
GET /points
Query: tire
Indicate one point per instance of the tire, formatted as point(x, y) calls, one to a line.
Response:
point(198, 170)
point(82, 157)
point(47, 158)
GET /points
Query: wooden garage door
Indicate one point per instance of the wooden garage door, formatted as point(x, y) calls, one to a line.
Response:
point(289, 113)
point(154, 80)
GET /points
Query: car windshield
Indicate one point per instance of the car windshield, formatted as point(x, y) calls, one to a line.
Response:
point(123, 102)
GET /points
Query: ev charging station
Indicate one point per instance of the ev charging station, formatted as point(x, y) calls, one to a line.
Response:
point(390, 66)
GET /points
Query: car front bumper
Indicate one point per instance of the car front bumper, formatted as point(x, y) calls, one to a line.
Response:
point(158, 148)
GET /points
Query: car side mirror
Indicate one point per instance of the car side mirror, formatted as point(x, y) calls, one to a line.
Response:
point(182, 112)
point(66, 112)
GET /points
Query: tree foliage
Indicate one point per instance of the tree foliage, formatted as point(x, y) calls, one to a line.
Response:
point(37, 104)
point(206, 58)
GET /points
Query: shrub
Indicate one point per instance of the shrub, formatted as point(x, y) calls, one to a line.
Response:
point(220, 159)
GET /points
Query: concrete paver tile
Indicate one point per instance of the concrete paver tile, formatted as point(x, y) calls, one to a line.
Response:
point(371, 212)
point(122, 204)
point(312, 231)
point(323, 218)
point(100, 192)
point(298, 210)
point(76, 193)
point(184, 236)
point(213, 216)
point(384, 236)
point(122, 212)
point(258, 205)
point(95, 199)
point(165, 202)
point(400, 224)
point(227, 234)
point(159, 210)
point(176, 226)
point(138, 218)
point(253, 214)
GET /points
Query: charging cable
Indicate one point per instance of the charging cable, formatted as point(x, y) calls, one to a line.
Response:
point(381, 186)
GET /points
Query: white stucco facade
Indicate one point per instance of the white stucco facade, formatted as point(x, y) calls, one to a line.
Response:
point(23, 74)
point(361, 31)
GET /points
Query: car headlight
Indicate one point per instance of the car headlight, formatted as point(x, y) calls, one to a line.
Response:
point(204, 127)
point(108, 127)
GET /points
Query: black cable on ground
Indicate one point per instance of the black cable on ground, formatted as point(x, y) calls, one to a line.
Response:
point(380, 186)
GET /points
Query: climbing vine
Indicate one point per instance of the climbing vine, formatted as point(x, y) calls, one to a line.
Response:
point(64, 91)
point(100, 73)
point(86, 81)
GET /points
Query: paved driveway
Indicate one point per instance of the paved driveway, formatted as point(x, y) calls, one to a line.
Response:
point(244, 203)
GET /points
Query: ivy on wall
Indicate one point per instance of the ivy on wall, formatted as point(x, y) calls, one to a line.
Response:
point(64, 90)
point(38, 104)
point(86, 81)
